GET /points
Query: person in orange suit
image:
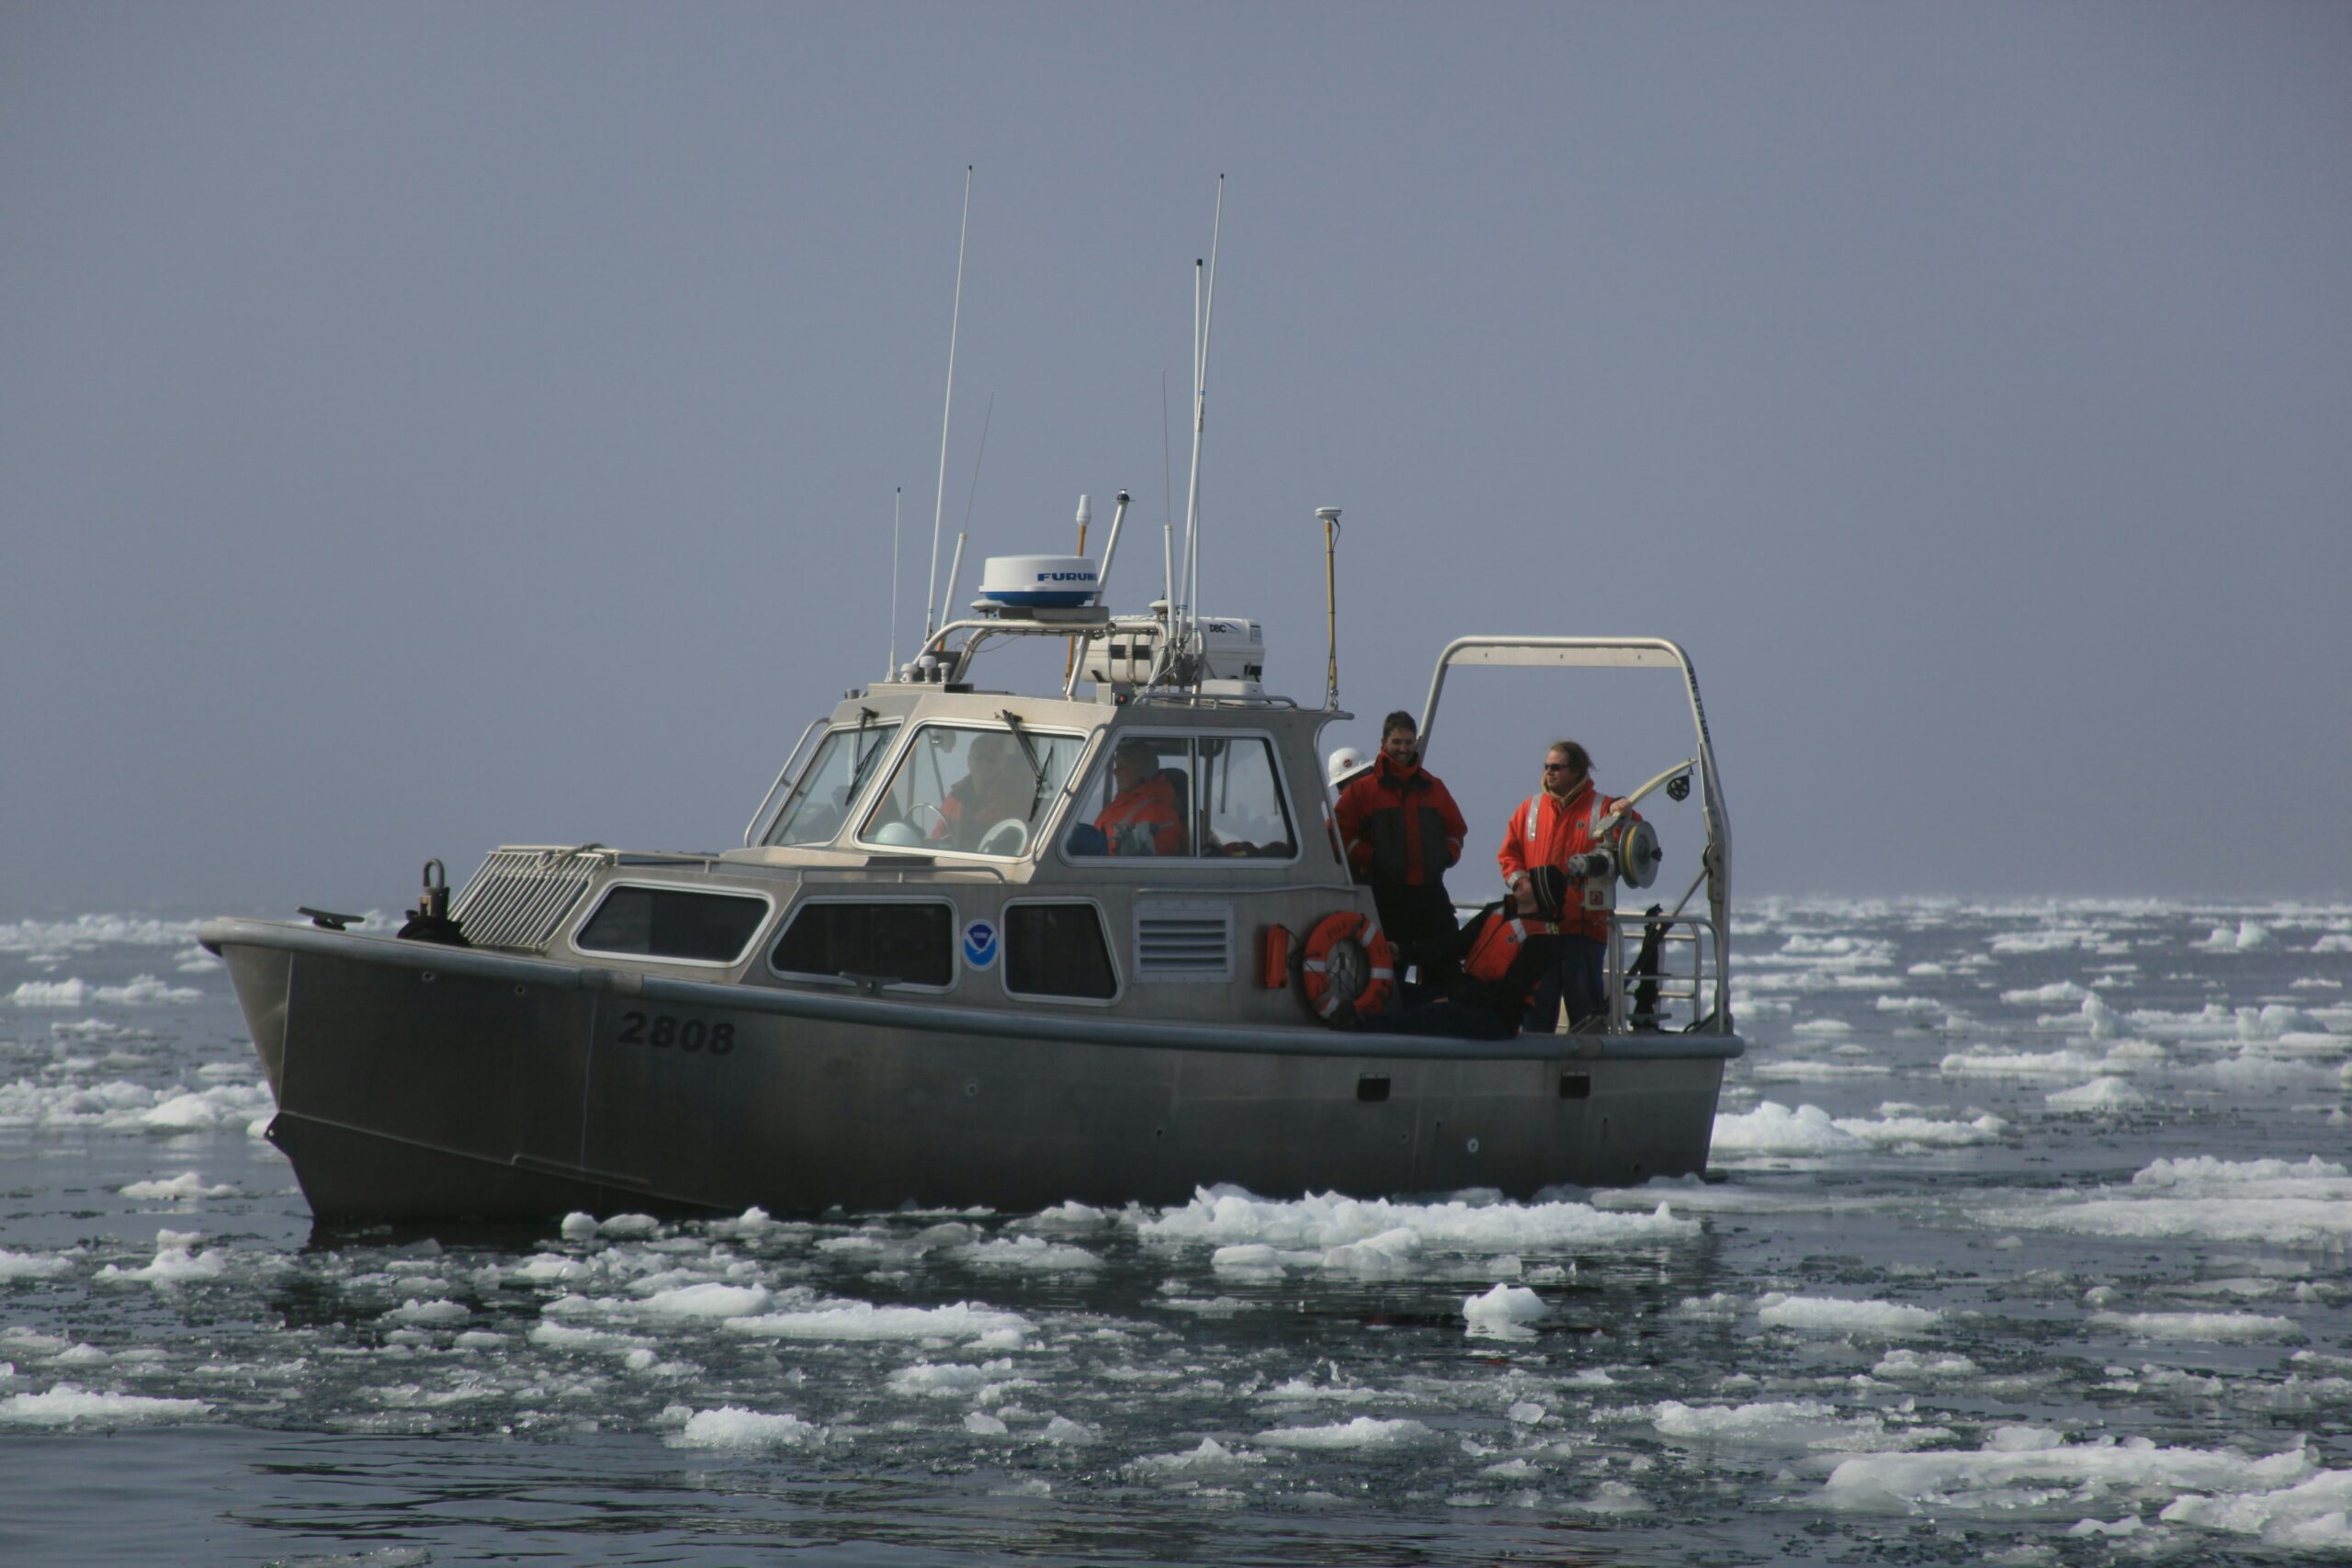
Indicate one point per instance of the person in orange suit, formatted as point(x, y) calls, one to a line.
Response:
point(1564, 819)
point(1402, 831)
point(1142, 818)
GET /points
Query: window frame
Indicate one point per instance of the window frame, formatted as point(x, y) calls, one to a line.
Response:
point(889, 722)
point(1103, 927)
point(954, 943)
point(1057, 807)
point(1111, 742)
point(571, 935)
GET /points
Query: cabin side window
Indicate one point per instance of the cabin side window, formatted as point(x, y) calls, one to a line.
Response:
point(1194, 797)
point(898, 941)
point(972, 789)
point(1057, 950)
point(831, 783)
point(671, 922)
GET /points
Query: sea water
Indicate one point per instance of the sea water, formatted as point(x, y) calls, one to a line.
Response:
point(2025, 1242)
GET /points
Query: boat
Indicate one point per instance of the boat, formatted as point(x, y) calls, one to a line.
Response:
point(918, 980)
point(985, 948)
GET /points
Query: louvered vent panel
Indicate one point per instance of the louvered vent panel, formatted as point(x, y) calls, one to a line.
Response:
point(520, 896)
point(1184, 942)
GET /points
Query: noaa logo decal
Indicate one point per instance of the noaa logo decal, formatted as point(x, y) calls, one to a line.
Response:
point(979, 944)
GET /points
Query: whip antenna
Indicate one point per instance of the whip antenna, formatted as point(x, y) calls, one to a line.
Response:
point(1331, 518)
point(955, 324)
point(898, 495)
point(1205, 322)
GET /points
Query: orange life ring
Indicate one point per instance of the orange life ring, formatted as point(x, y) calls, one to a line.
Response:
point(1344, 961)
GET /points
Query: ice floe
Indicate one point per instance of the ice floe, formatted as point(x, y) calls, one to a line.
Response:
point(2029, 1468)
point(1504, 1312)
point(66, 1406)
point(1362, 1432)
point(2200, 1328)
point(1833, 1314)
point(1773, 1129)
point(1328, 1230)
point(733, 1426)
point(846, 1320)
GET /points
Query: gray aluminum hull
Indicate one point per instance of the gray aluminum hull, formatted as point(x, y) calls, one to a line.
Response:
point(416, 1082)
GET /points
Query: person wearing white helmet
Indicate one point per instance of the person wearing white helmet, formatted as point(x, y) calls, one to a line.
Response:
point(1344, 764)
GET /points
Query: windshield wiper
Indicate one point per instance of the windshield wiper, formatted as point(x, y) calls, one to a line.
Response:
point(1028, 749)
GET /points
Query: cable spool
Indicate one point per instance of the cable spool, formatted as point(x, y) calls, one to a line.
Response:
point(1635, 847)
point(1345, 962)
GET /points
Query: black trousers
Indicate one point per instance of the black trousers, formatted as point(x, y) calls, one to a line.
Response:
point(1420, 918)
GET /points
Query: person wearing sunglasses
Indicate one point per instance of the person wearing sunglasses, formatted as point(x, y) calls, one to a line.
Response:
point(1561, 820)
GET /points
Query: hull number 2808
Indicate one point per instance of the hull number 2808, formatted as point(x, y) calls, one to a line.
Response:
point(663, 1032)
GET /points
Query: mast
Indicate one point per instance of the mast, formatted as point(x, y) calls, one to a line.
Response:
point(955, 324)
point(1203, 323)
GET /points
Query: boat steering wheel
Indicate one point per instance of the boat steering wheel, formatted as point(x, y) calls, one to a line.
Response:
point(1009, 837)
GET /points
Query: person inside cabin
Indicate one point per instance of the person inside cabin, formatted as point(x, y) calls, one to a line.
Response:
point(1142, 817)
point(1565, 818)
point(1000, 785)
point(1402, 831)
point(1496, 962)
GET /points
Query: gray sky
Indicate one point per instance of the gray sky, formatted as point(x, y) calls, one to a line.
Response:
point(422, 427)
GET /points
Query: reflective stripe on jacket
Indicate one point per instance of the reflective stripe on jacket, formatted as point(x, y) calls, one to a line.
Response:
point(1546, 831)
point(1400, 825)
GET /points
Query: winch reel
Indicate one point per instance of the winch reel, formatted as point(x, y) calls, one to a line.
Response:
point(1630, 851)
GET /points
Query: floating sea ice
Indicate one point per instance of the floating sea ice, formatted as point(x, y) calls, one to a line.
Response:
point(2204, 1170)
point(51, 993)
point(578, 1226)
point(2099, 1019)
point(1833, 1315)
point(66, 1406)
point(428, 1314)
point(1985, 1062)
point(2334, 941)
point(177, 1262)
point(1028, 1255)
point(1364, 1432)
point(1773, 1129)
point(2200, 1328)
point(708, 1301)
point(2250, 936)
point(146, 990)
point(181, 1113)
point(2101, 1095)
point(949, 1380)
point(732, 1427)
point(1502, 1313)
point(2267, 1200)
point(2054, 992)
point(2032, 1467)
point(184, 1188)
point(862, 1321)
point(1249, 1257)
point(1063, 1432)
point(2314, 1517)
point(1070, 1218)
point(627, 1227)
point(1212, 1457)
point(32, 1265)
point(1792, 1424)
point(1319, 1222)
point(1808, 1131)
point(1911, 1366)
point(982, 1424)
point(1611, 1498)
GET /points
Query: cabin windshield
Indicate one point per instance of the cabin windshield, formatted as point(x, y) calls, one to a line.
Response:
point(973, 789)
point(1188, 796)
point(829, 785)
